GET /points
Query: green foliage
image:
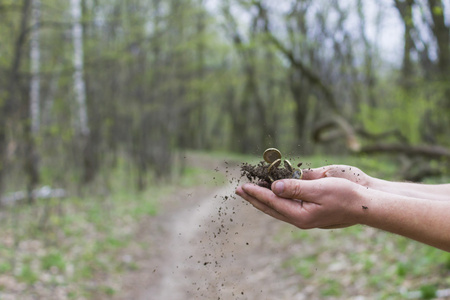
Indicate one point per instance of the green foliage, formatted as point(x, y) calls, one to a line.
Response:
point(79, 238)
point(5, 267)
point(437, 10)
point(53, 259)
point(413, 112)
point(163, 76)
point(428, 291)
point(363, 259)
point(27, 275)
point(193, 176)
point(331, 288)
point(109, 291)
point(303, 265)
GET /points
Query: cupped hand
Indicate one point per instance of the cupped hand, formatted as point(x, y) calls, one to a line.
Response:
point(322, 203)
point(339, 171)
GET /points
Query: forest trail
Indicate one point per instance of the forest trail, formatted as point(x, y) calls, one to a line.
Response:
point(208, 244)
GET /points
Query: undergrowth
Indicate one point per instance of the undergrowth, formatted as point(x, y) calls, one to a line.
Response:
point(361, 261)
point(70, 248)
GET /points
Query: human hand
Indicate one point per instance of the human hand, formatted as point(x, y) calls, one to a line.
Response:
point(322, 203)
point(340, 171)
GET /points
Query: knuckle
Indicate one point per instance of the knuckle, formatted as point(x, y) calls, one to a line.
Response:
point(296, 190)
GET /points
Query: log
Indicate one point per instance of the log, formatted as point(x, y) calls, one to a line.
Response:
point(423, 150)
point(44, 192)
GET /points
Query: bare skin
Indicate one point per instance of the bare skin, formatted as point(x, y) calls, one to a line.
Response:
point(424, 191)
point(331, 198)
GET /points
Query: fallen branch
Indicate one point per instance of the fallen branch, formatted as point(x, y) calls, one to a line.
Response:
point(44, 192)
point(425, 151)
point(335, 128)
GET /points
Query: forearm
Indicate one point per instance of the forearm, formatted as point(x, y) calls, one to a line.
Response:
point(426, 221)
point(439, 192)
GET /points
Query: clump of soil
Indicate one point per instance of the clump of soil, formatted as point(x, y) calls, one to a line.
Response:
point(259, 173)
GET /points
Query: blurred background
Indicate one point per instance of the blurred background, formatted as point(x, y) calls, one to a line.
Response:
point(106, 104)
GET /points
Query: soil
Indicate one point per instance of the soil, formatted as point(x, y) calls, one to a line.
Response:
point(260, 173)
point(206, 244)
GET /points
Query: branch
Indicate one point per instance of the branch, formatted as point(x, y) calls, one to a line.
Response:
point(425, 151)
point(345, 129)
point(312, 76)
point(379, 136)
point(338, 123)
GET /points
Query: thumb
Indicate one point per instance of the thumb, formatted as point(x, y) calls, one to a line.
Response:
point(306, 190)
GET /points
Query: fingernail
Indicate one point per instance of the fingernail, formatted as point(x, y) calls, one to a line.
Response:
point(278, 187)
point(245, 186)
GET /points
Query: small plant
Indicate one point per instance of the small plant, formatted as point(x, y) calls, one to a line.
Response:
point(27, 275)
point(428, 291)
point(5, 267)
point(331, 288)
point(53, 259)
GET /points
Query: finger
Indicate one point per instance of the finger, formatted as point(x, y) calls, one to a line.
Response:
point(260, 205)
point(342, 171)
point(311, 174)
point(285, 207)
point(348, 172)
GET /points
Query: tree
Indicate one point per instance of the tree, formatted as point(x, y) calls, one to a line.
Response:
point(78, 77)
point(12, 97)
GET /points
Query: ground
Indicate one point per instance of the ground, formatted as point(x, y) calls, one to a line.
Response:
point(207, 244)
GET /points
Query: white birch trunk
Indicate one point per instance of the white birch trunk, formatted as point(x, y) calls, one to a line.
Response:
point(78, 77)
point(35, 56)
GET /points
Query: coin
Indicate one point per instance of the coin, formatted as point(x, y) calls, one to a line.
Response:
point(287, 165)
point(275, 165)
point(271, 155)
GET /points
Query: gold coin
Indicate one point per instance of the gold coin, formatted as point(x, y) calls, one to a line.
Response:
point(275, 165)
point(271, 155)
point(288, 165)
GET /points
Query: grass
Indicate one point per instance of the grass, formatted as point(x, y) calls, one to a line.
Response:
point(362, 261)
point(74, 245)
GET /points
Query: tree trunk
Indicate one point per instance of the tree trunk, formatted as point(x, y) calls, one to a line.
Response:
point(31, 129)
point(7, 107)
point(78, 77)
point(442, 34)
point(300, 93)
point(35, 56)
point(405, 10)
point(85, 143)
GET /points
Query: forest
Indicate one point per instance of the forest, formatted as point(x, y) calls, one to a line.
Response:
point(89, 87)
point(87, 83)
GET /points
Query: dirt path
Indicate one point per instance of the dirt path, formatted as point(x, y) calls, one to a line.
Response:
point(206, 244)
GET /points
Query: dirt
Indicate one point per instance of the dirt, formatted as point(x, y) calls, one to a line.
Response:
point(206, 244)
point(261, 175)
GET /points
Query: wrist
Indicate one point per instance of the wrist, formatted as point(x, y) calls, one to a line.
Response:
point(363, 204)
point(377, 184)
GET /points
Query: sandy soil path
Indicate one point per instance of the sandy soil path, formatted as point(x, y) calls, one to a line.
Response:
point(207, 244)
